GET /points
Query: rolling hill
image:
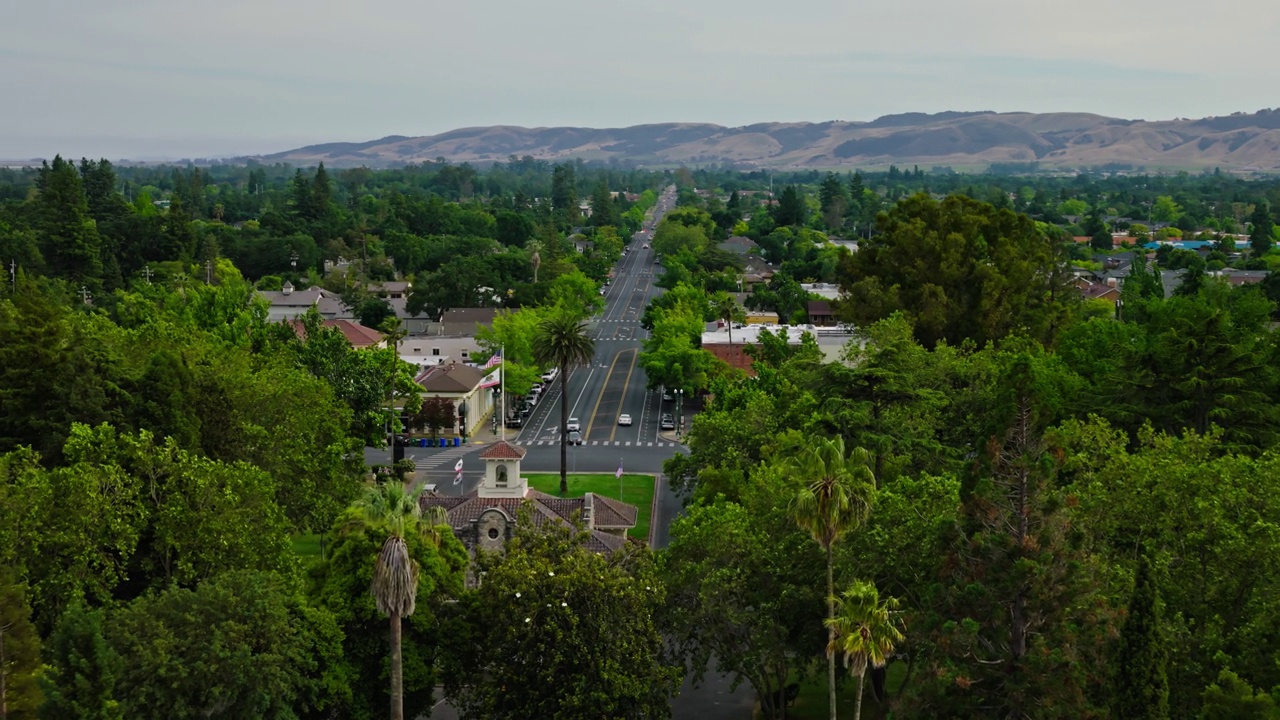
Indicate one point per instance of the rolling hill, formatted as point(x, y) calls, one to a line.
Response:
point(1240, 142)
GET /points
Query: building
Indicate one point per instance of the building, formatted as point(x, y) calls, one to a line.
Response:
point(820, 313)
point(826, 291)
point(470, 389)
point(730, 343)
point(485, 518)
point(430, 350)
point(358, 335)
point(464, 322)
point(739, 245)
point(289, 303)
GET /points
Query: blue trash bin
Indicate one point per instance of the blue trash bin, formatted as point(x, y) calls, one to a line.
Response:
point(457, 442)
point(422, 442)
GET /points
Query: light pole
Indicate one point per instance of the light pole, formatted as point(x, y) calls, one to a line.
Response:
point(679, 411)
point(462, 420)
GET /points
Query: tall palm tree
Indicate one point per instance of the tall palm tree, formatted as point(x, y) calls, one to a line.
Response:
point(726, 308)
point(389, 509)
point(835, 499)
point(561, 342)
point(535, 257)
point(866, 631)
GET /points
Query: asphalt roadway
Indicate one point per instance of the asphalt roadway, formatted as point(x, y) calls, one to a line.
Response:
point(614, 384)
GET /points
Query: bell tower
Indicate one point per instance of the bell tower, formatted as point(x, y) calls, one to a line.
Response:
point(502, 472)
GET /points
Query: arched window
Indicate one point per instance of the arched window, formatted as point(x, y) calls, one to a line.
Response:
point(501, 473)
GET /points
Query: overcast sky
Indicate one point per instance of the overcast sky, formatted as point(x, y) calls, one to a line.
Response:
point(177, 78)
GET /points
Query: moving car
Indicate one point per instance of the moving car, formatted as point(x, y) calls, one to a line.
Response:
point(624, 420)
point(575, 438)
point(668, 422)
point(573, 425)
point(644, 246)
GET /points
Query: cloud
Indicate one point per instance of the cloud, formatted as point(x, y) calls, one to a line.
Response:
point(189, 76)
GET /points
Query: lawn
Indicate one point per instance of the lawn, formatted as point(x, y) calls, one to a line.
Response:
point(636, 490)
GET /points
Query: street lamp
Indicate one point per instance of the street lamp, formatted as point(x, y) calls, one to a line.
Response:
point(679, 410)
point(497, 392)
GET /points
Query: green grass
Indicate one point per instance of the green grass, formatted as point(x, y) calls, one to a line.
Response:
point(636, 490)
point(307, 547)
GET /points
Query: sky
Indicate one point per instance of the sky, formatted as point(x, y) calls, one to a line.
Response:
point(152, 79)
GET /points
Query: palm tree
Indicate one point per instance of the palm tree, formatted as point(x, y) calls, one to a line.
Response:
point(866, 631)
point(726, 308)
point(836, 499)
point(389, 509)
point(561, 342)
point(535, 257)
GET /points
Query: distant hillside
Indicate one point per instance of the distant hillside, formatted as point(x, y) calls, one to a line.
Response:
point(1239, 142)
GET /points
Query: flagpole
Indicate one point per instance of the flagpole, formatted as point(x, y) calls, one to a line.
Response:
point(502, 385)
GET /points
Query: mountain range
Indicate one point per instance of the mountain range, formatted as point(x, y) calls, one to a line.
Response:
point(1242, 142)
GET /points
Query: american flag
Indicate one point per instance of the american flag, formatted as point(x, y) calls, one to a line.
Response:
point(495, 360)
point(619, 473)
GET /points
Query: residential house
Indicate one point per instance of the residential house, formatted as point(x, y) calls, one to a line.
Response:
point(820, 313)
point(470, 389)
point(390, 290)
point(289, 303)
point(739, 245)
point(358, 335)
point(464, 322)
point(826, 291)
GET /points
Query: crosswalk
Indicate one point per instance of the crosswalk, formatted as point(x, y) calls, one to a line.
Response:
point(445, 459)
point(606, 443)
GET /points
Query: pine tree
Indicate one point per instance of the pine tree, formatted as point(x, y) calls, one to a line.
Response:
point(1261, 236)
point(83, 670)
point(1140, 688)
point(19, 649)
point(68, 235)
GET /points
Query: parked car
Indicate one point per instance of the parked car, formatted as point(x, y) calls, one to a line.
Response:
point(550, 375)
point(575, 438)
point(515, 421)
point(668, 395)
point(573, 425)
point(624, 420)
point(667, 423)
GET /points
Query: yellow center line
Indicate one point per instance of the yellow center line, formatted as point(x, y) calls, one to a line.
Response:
point(635, 355)
point(591, 421)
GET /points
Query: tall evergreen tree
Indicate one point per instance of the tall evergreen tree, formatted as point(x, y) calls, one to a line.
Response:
point(790, 209)
point(84, 670)
point(1140, 687)
point(19, 649)
point(1261, 237)
point(70, 242)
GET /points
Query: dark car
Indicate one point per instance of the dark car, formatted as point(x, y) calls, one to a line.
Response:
point(575, 438)
point(515, 421)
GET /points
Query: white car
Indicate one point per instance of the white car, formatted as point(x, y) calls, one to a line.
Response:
point(550, 375)
point(574, 425)
point(644, 246)
point(624, 420)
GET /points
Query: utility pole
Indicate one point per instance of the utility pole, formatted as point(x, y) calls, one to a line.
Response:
point(146, 272)
point(85, 296)
point(208, 272)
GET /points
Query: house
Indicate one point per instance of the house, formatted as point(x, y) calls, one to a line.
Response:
point(471, 390)
point(485, 518)
point(820, 313)
point(826, 291)
point(358, 335)
point(1100, 291)
point(390, 290)
point(739, 245)
point(460, 322)
point(730, 344)
point(582, 244)
point(431, 350)
point(289, 303)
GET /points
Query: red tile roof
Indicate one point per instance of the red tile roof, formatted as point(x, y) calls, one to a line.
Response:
point(358, 335)
point(503, 450)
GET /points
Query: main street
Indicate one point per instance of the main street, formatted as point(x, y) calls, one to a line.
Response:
point(612, 385)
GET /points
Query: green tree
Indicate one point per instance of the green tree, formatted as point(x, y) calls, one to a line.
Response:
point(866, 632)
point(1261, 230)
point(743, 594)
point(790, 209)
point(19, 648)
point(390, 511)
point(576, 629)
point(69, 238)
point(1140, 688)
point(836, 498)
point(1231, 698)
point(341, 584)
point(239, 645)
point(1165, 209)
point(562, 342)
point(83, 670)
point(834, 201)
point(960, 269)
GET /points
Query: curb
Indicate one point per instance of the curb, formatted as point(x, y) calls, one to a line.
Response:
point(653, 507)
